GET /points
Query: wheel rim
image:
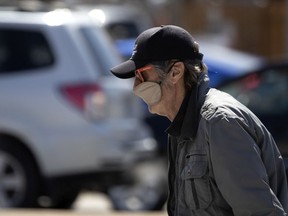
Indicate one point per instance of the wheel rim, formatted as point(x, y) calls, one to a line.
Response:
point(12, 181)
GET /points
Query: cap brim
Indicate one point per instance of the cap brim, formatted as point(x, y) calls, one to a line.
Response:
point(124, 70)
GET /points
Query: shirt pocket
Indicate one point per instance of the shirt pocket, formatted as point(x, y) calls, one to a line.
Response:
point(196, 183)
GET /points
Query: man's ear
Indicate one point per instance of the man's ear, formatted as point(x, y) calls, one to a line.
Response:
point(177, 72)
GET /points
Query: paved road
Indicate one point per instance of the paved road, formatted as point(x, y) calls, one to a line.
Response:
point(73, 213)
point(88, 204)
point(95, 202)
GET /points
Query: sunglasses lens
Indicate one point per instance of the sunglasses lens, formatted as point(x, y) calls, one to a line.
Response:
point(139, 71)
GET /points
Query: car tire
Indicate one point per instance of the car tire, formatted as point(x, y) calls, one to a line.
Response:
point(65, 200)
point(136, 198)
point(19, 182)
point(148, 192)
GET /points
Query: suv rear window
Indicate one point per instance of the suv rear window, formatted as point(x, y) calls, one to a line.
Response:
point(23, 50)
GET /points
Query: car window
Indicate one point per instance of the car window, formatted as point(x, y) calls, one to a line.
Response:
point(264, 93)
point(23, 50)
point(102, 50)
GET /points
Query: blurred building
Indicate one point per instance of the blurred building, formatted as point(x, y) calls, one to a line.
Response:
point(256, 26)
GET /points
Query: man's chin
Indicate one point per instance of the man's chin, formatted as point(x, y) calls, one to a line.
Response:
point(151, 110)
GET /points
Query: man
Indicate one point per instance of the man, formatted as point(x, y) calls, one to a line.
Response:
point(222, 160)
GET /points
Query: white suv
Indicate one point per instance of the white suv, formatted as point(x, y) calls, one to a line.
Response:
point(64, 120)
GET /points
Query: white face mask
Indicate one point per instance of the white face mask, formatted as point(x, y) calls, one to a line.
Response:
point(150, 92)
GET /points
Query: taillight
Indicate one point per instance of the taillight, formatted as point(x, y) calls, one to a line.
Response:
point(87, 97)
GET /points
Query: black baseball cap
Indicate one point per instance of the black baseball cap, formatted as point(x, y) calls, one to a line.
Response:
point(162, 43)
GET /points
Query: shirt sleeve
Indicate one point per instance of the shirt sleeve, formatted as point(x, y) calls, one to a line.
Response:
point(239, 171)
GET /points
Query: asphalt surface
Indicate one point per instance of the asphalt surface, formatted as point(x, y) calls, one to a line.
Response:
point(31, 212)
point(88, 204)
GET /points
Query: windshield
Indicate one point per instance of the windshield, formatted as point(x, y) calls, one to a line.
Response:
point(101, 49)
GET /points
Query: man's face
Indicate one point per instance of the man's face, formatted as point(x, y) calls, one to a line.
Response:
point(150, 74)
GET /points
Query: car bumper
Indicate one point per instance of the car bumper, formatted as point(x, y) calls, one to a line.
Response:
point(95, 148)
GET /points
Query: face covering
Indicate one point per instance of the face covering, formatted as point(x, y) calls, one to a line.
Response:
point(150, 92)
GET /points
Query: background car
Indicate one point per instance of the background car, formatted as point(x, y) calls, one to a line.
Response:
point(225, 63)
point(264, 91)
point(65, 122)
